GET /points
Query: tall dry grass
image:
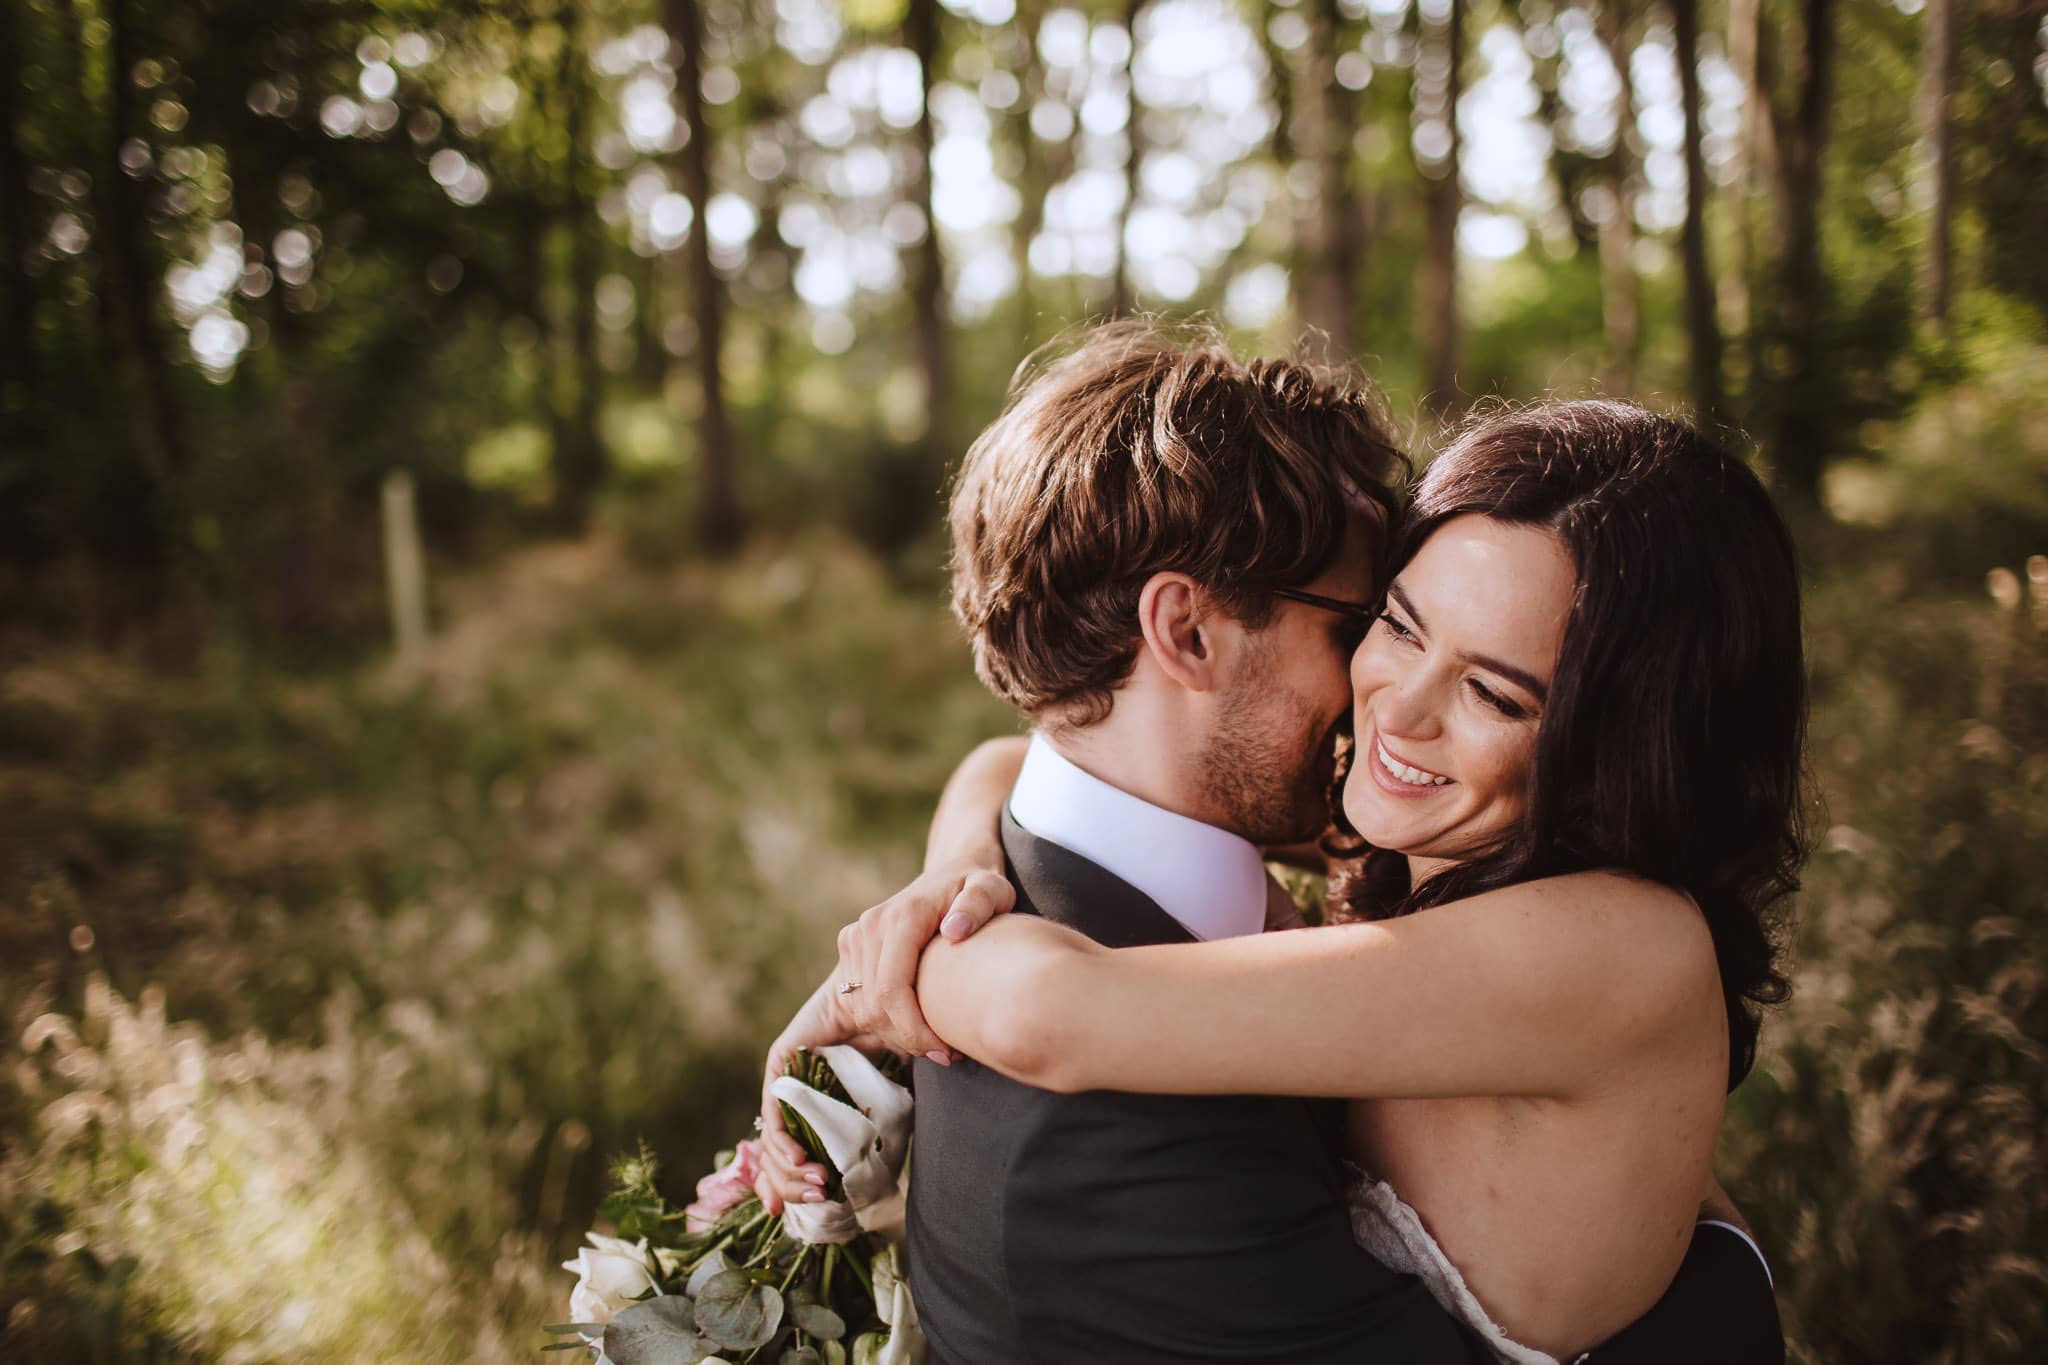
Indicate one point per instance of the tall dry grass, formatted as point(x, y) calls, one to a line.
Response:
point(329, 998)
point(1891, 1147)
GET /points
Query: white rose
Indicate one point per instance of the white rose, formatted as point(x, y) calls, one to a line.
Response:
point(611, 1275)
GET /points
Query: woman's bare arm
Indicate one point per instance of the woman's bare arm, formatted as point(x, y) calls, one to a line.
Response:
point(1553, 988)
point(962, 888)
point(964, 824)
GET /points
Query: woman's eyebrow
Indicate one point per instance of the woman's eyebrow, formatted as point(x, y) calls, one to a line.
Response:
point(1394, 591)
point(1528, 681)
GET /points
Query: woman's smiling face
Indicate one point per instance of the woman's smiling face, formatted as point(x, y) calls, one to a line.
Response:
point(1449, 689)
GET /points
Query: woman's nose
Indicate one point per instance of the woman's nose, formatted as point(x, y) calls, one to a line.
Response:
point(1407, 706)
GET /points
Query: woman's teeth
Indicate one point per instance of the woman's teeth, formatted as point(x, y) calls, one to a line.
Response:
point(1414, 777)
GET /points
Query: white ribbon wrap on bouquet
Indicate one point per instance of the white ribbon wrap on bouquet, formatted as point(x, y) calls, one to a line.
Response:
point(866, 1144)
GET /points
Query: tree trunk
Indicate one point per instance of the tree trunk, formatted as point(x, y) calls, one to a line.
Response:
point(18, 316)
point(1702, 322)
point(154, 420)
point(579, 449)
point(1437, 93)
point(1619, 310)
point(650, 361)
point(84, 144)
point(1744, 16)
point(928, 278)
point(1801, 427)
point(1033, 177)
point(1937, 94)
point(1279, 71)
point(719, 514)
point(1329, 119)
point(1121, 293)
point(773, 319)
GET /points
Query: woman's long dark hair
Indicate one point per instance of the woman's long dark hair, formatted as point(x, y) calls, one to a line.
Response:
point(1670, 745)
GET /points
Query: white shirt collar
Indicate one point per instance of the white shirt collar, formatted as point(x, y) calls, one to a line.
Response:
point(1212, 881)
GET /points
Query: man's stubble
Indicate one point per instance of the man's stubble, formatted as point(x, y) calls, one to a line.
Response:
point(1267, 765)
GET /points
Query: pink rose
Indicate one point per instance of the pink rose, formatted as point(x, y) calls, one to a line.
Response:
point(725, 1188)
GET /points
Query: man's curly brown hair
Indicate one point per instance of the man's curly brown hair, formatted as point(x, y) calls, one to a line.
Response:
point(1134, 450)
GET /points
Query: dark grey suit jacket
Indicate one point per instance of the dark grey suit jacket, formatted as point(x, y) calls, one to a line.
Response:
point(1109, 1227)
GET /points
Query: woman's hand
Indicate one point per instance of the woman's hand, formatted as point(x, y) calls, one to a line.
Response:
point(962, 888)
point(880, 952)
point(787, 1175)
point(876, 980)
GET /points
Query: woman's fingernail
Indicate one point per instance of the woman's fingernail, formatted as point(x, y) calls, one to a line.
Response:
point(940, 1056)
point(814, 1178)
point(956, 925)
point(814, 1196)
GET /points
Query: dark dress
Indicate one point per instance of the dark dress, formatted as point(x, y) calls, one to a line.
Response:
point(1720, 1310)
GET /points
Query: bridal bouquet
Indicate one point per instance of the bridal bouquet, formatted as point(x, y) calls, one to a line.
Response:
point(723, 1283)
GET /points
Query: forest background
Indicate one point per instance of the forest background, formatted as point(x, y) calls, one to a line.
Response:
point(471, 589)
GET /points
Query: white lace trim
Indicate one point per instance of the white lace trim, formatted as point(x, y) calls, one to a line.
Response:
point(1393, 1232)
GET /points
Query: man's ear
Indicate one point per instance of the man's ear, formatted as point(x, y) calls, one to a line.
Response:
point(1179, 623)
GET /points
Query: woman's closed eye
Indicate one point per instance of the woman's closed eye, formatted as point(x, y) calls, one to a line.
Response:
point(1511, 709)
point(1397, 626)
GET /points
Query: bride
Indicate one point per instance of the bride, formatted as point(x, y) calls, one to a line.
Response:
point(1572, 803)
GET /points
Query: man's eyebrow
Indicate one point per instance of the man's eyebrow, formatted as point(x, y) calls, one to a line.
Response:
point(1534, 685)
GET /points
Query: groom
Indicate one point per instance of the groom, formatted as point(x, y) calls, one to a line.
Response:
point(1163, 557)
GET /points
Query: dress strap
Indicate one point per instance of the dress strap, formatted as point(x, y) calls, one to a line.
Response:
point(1717, 1223)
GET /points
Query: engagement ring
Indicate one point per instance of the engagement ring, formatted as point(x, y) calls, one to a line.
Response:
point(848, 987)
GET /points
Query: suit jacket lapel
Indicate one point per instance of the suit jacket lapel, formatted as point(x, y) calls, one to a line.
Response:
point(1067, 889)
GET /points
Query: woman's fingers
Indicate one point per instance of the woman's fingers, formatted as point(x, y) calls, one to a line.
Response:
point(886, 1002)
point(896, 951)
point(982, 896)
point(787, 1175)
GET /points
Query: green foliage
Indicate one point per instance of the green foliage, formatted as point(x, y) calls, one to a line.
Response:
point(1962, 475)
point(1888, 1147)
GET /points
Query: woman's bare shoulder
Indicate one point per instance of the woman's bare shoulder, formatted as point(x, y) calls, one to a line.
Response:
point(1597, 896)
point(1626, 928)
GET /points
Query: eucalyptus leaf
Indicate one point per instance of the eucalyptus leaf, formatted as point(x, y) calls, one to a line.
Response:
point(835, 1354)
point(736, 1312)
point(574, 1327)
point(658, 1332)
point(714, 1264)
point(814, 1319)
point(801, 1355)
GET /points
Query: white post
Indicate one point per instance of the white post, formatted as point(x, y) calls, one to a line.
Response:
point(405, 572)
